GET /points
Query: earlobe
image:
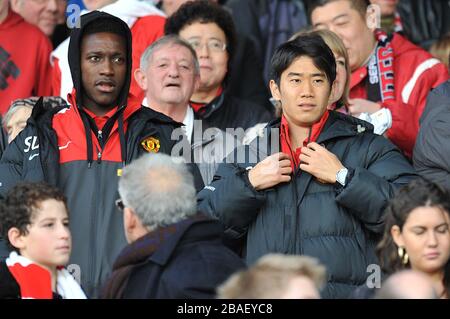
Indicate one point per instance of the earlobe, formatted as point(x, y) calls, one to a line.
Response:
point(275, 90)
point(14, 5)
point(128, 219)
point(397, 236)
point(16, 238)
point(140, 78)
point(373, 17)
point(333, 93)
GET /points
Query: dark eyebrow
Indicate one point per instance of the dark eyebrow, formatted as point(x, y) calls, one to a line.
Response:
point(290, 74)
point(102, 53)
point(94, 52)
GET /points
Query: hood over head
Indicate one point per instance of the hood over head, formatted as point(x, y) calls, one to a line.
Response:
point(114, 25)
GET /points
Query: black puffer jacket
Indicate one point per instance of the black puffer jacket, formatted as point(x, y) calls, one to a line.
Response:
point(227, 111)
point(339, 226)
point(432, 150)
point(3, 138)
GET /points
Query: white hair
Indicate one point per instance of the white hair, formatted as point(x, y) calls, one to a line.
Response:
point(159, 188)
point(171, 39)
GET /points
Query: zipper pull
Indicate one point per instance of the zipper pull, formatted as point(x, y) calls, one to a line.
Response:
point(99, 157)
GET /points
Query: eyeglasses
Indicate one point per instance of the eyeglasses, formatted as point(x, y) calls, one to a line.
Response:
point(213, 45)
point(119, 204)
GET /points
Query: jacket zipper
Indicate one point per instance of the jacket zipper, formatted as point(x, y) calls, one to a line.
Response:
point(93, 232)
point(100, 139)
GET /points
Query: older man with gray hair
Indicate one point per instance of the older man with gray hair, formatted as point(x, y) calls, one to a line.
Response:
point(169, 73)
point(173, 252)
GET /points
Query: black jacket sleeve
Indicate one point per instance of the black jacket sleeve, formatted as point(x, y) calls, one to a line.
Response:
point(432, 149)
point(369, 190)
point(232, 199)
point(11, 163)
point(3, 139)
point(9, 288)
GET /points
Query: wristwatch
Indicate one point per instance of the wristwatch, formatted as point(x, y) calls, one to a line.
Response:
point(341, 176)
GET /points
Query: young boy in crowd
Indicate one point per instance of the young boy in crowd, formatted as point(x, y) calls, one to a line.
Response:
point(35, 224)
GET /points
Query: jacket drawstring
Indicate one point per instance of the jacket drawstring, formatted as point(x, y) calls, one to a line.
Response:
point(89, 124)
point(123, 145)
point(89, 145)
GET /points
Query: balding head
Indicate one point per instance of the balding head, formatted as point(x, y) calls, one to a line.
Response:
point(407, 284)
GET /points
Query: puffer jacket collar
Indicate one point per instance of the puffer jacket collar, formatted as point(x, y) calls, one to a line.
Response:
point(338, 125)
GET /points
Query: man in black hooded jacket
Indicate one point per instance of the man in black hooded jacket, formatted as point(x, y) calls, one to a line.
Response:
point(82, 148)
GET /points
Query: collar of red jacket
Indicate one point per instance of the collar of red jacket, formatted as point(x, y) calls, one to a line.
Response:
point(129, 109)
point(100, 121)
point(285, 139)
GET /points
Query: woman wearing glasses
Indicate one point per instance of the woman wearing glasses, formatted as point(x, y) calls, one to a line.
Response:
point(210, 31)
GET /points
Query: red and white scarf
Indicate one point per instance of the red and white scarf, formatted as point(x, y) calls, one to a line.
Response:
point(35, 281)
point(380, 84)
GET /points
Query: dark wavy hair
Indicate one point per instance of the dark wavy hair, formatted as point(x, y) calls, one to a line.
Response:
point(418, 193)
point(204, 11)
point(21, 202)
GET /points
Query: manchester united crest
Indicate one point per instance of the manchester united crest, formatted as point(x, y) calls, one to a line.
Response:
point(151, 144)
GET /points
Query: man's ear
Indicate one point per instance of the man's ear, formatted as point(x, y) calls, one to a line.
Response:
point(14, 4)
point(140, 78)
point(373, 17)
point(397, 236)
point(275, 90)
point(334, 93)
point(129, 219)
point(16, 238)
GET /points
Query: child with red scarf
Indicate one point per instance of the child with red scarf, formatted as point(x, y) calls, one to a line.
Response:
point(35, 224)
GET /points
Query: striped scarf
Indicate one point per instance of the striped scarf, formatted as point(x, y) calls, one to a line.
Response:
point(380, 84)
point(35, 281)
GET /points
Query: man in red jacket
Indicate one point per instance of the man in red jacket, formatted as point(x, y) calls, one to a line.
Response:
point(24, 59)
point(389, 73)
